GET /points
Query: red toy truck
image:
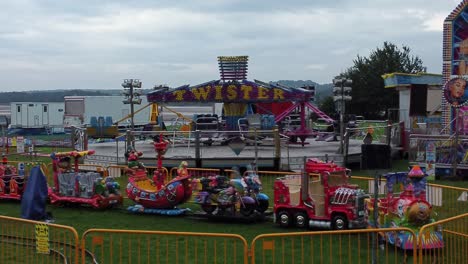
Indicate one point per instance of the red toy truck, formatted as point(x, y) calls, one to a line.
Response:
point(321, 197)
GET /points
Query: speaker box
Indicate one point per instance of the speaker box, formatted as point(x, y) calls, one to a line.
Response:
point(375, 157)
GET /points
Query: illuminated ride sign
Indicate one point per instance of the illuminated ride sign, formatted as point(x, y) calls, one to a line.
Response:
point(232, 92)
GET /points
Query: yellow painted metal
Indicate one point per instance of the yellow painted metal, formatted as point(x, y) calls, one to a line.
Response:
point(20, 241)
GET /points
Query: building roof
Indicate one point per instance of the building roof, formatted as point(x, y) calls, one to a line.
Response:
point(398, 79)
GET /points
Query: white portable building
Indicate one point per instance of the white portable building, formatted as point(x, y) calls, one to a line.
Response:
point(37, 114)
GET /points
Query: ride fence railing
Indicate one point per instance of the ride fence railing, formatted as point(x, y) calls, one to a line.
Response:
point(455, 236)
point(381, 131)
point(200, 143)
point(448, 152)
point(135, 246)
point(25, 241)
point(446, 201)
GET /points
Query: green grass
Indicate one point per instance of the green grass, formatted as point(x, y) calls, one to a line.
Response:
point(83, 218)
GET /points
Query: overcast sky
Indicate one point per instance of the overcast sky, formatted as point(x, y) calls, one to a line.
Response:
point(70, 44)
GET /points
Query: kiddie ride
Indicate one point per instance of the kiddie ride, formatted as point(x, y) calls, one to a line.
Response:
point(220, 196)
point(151, 195)
point(320, 198)
point(72, 186)
point(409, 209)
point(12, 185)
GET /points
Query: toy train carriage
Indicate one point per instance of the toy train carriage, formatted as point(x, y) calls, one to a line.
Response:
point(12, 185)
point(409, 209)
point(74, 186)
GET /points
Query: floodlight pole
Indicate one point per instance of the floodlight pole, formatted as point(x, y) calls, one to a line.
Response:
point(342, 110)
point(339, 96)
point(130, 84)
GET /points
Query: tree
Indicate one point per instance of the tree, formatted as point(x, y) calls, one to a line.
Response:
point(327, 105)
point(370, 98)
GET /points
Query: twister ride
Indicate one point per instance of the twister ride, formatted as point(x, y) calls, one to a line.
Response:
point(408, 209)
point(151, 195)
point(72, 186)
point(247, 105)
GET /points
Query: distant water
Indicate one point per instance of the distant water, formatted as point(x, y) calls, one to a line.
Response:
point(5, 109)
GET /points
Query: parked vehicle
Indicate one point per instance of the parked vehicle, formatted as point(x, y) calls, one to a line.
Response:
point(321, 197)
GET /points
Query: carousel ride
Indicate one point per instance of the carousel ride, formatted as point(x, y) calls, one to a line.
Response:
point(153, 196)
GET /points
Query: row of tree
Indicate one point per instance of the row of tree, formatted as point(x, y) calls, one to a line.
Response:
point(369, 97)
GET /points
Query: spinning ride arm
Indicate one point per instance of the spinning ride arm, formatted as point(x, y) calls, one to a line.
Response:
point(178, 114)
point(130, 115)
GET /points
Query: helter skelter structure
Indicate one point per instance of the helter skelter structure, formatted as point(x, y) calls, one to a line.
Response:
point(239, 95)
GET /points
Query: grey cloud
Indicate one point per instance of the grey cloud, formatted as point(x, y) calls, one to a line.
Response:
point(177, 42)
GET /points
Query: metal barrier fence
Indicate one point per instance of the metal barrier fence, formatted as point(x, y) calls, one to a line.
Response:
point(447, 201)
point(350, 246)
point(455, 234)
point(451, 154)
point(196, 172)
point(25, 241)
point(134, 246)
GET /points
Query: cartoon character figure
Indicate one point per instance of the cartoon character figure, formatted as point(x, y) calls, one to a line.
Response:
point(64, 164)
point(132, 158)
point(13, 186)
point(182, 171)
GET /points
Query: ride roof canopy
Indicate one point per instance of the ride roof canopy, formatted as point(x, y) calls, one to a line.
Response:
point(231, 92)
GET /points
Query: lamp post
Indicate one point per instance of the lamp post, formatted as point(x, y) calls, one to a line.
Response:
point(342, 93)
point(132, 97)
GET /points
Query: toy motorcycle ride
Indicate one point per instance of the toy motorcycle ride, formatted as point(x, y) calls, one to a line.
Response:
point(224, 195)
point(253, 187)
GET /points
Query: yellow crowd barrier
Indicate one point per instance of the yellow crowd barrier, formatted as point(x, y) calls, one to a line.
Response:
point(455, 235)
point(134, 246)
point(25, 241)
point(347, 246)
point(196, 172)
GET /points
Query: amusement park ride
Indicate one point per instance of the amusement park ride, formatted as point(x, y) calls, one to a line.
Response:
point(12, 185)
point(221, 196)
point(408, 209)
point(151, 195)
point(73, 186)
point(240, 96)
point(321, 197)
